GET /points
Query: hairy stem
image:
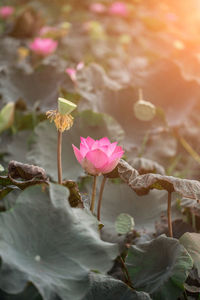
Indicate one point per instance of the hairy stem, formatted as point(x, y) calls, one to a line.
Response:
point(169, 214)
point(126, 273)
point(93, 194)
point(59, 157)
point(100, 198)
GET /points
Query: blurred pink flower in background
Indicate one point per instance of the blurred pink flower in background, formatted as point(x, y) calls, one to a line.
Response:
point(46, 29)
point(80, 65)
point(118, 8)
point(98, 157)
point(43, 46)
point(6, 11)
point(72, 71)
point(97, 8)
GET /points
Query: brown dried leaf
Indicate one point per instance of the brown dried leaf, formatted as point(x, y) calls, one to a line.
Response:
point(126, 172)
point(74, 196)
point(27, 24)
point(25, 171)
point(115, 173)
point(144, 183)
point(7, 182)
point(145, 165)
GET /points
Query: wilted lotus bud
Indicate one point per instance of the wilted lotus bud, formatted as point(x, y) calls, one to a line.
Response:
point(144, 110)
point(61, 117)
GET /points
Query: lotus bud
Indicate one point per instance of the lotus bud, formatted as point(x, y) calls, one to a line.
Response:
point(144, 110)
point(98, 156)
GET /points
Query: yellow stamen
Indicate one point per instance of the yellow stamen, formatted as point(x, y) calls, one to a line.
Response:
point(62, 122)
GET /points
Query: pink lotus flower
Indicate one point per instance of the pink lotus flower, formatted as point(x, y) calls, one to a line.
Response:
point(43, 46)
point(118, 8)
point(72, 71)
point(98, 157)
point(6, 11)
point(98, 8)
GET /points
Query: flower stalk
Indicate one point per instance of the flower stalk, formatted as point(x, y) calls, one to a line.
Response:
point(63, 121)
point(93, 193)
point(126, 273)
point(169, 214)
point(100, 198)
point(59, 156)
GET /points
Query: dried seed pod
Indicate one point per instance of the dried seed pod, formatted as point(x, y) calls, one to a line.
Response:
point(65, 106)
point(144, 110)
point(124, 223)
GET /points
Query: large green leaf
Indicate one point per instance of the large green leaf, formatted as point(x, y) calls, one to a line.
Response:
point(30, 293)
point(8, 51)
point(108, 288)
point(160, 144)
point(146, 210)
point(191, 241)
point(18, 146)
point(44, 149)
point(45, 241)
point(39, 87)
point(159, 267)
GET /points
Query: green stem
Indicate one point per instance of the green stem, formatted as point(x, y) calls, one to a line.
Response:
point(169, 214)
point(100, 197)
point(93, 194)
point(59, 157)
